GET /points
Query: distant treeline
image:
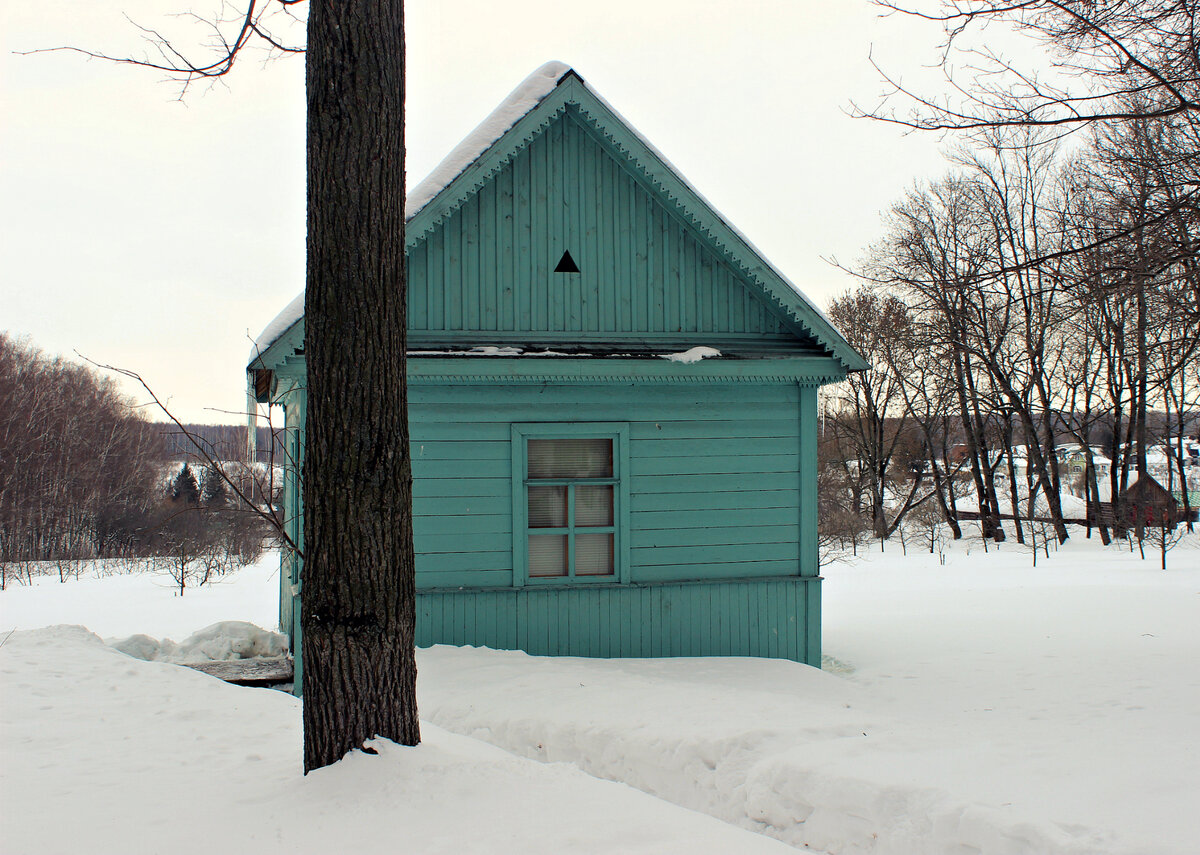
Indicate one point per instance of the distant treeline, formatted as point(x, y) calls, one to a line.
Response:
point(225, 442)
point(84, 474)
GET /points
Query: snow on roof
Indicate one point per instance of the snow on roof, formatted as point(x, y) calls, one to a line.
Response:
point(691, 355)
point(531, 91)
point(282, 322)
point(512, 109)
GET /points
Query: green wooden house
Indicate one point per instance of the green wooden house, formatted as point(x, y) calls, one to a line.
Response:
point(612, 400)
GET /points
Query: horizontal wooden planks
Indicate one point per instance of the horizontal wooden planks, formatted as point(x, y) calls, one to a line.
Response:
point(705, 501)
point(459, 561)
point(463, 506)
point(604, 408)
point(465, 540)
point(703, 518)
point(439, 578)
point(642, 537)
point(736, 569)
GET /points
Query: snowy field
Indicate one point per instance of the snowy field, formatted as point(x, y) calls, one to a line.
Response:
point(976, 706)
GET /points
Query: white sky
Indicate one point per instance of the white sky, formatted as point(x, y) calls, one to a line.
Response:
point(160, 236)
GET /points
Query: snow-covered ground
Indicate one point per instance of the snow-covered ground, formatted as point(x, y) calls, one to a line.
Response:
point(979, 705)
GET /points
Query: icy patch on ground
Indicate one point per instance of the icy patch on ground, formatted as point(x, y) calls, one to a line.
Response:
point(230, 639)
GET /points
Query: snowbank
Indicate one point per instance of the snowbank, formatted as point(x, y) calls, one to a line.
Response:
point(106, 754)
point(229, 639)
point(992, 707)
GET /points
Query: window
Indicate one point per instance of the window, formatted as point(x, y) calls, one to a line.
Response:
point(568, 502)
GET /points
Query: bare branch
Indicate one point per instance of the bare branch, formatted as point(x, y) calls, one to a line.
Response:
point(268, 515)
point(224, 50)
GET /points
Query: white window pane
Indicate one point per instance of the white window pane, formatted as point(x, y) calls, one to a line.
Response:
point(593, 505)
point(547, 507)
point(570, 458)
point(593, 555)
point(548, 555)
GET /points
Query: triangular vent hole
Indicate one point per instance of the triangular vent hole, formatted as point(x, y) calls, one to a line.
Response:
point(566, 264)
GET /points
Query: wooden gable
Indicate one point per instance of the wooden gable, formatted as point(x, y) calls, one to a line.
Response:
point(658, 267)
point(556, 224)
point(488, 271)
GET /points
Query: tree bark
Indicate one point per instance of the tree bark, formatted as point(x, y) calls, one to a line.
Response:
point(358, 599)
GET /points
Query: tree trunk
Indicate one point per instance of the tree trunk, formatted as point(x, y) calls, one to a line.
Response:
point(358, 598)
point(1012, 482)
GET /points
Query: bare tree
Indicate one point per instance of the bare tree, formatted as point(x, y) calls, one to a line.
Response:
point(871, 417)
point(1098, 54)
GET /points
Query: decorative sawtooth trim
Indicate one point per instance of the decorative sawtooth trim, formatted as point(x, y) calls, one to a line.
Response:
point(464, 193)
point(689, 217)
point(600, 379)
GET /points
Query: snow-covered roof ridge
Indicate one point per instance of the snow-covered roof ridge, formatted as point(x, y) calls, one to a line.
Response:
point(512, 109)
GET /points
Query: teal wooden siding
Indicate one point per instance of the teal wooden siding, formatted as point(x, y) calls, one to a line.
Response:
point(643, 272)
point(761, 617)
point(714, 478)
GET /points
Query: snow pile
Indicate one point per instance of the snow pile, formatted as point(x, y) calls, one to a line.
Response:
point(694, 354)
point(775, 747)
point(106, 754)
point(230, 639)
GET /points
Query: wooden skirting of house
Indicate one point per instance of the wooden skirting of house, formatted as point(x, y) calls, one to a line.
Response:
point(772, 618)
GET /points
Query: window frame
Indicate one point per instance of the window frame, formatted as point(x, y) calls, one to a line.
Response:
point(618, 432)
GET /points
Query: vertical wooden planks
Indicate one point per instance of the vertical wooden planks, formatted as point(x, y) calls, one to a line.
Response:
point(417, 284)
point(812, 623)
point(505, 251)
point(774, 618)
point(488, 266)
point(472, 292)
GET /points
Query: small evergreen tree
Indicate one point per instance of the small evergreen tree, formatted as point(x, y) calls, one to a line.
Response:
point(212, 493)
point(184, 489)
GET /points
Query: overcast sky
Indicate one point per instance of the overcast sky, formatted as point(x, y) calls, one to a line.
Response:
point(162, 236)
